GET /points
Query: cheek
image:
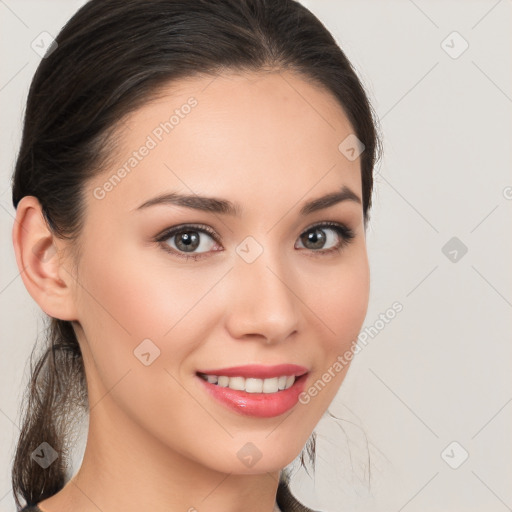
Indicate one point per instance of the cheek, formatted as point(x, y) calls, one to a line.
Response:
point(339, 300)
point(129, 297)
point(126, 299)
point(338, 296)
point(346, 304)
point(341, 306)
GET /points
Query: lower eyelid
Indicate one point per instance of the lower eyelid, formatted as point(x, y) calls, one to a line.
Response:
point(344, 233)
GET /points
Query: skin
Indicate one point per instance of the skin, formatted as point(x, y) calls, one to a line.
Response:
point(156, 440)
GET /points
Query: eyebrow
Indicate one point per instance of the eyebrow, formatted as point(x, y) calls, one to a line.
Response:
point(225, 207)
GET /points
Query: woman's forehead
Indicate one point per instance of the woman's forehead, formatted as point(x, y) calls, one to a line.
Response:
point(247, 133)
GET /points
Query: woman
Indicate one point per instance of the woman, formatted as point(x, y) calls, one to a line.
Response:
point(192, 191)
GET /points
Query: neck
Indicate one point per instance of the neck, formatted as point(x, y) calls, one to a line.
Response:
point(125, 469)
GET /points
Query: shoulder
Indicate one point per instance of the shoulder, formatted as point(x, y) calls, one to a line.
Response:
point(287, 502)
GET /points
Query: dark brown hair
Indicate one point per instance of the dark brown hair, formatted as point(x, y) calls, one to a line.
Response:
point(110, 59)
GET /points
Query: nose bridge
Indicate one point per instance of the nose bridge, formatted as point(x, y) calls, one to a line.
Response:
point(261, 301)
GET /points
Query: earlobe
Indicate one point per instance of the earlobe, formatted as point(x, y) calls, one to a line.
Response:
point(44, 271)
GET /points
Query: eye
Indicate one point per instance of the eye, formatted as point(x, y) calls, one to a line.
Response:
point(331, 234)
point(195, 241)
point(185, 240)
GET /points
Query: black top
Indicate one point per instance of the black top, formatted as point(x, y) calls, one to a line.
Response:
point(284, 498)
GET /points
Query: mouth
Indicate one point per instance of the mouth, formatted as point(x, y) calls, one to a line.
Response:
point(250, 384)
point(261, 391)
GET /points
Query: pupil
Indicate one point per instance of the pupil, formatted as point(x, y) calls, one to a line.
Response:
point(317, 238)
point(188, 241)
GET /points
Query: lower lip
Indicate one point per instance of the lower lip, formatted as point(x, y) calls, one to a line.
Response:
point(260, 405)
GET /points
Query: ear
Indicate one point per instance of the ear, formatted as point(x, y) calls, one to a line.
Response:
point(39, 255)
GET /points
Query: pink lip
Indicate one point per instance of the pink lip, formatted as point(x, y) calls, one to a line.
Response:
point(257, 371)
point(261, 405)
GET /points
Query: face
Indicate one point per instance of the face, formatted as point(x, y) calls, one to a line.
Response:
point(265, 284)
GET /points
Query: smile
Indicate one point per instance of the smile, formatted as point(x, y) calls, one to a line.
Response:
point(251, 385)
point(255, 390)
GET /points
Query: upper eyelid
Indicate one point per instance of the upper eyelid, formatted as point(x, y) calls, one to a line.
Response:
point(168, 232)
point(343, 231)
point(218, 238)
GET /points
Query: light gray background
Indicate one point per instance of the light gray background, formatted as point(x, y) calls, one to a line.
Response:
point(440, 371)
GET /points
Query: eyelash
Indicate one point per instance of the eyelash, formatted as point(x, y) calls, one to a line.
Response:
point(346, 234)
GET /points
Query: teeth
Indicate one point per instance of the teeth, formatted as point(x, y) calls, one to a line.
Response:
point(237, 383)
point(223, 382)
point(270, 385)
point(251, 385)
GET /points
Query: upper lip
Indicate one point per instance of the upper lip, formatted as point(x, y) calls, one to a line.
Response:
point(258, 371)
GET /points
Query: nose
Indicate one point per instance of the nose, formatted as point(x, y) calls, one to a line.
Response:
point(262, 303)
